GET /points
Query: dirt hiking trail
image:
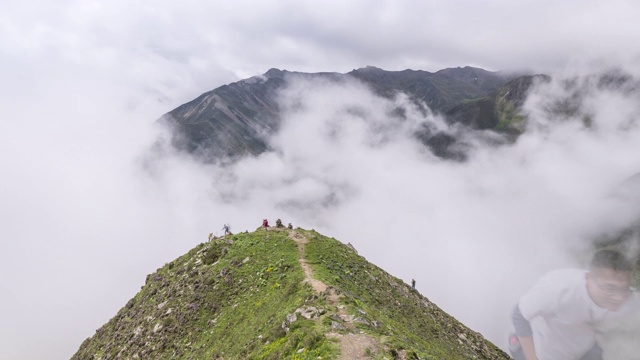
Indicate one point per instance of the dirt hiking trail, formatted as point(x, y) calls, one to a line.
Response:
point(353, 344)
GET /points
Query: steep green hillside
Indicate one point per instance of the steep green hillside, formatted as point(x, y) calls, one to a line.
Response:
point(391, 310)
point(280, 294)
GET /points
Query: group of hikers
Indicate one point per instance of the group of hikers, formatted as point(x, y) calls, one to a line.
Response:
point(226, 228)
point(265, 224)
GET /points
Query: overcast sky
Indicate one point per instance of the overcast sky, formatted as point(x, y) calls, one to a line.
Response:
point(82, 82)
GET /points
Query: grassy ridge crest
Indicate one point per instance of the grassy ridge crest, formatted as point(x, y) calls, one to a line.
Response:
point(247, 296)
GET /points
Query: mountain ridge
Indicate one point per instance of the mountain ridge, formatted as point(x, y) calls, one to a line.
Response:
point(236, 119)
point(280, 293)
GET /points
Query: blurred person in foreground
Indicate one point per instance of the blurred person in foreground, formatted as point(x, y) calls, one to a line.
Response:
point(564, 314)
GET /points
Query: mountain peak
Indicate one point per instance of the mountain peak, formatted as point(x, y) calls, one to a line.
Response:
point(277, 293)
point(273, 72)
point(369, 68)
point(463, 69)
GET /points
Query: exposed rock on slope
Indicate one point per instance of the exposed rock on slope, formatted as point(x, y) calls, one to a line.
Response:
point(280, 294)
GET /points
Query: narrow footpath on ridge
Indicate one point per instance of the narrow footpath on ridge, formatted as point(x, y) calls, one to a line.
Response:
point(354, 344)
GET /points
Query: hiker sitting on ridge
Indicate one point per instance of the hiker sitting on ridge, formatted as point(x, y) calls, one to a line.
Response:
point(559, 317)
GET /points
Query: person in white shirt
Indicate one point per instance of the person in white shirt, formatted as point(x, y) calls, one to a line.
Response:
point(560, 316)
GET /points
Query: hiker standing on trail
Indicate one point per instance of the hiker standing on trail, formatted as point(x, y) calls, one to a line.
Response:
point(226, 228)
point(559, 317)
point(413, 284)
point(265, 224)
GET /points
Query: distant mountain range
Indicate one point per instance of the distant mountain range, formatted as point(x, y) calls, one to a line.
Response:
point(235, 120)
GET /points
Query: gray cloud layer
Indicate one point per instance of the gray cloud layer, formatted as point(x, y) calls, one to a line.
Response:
point(83, 221)
point(195, 45)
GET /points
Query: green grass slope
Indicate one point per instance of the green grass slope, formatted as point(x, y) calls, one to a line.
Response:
point(250, 296)
point(390, 310)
